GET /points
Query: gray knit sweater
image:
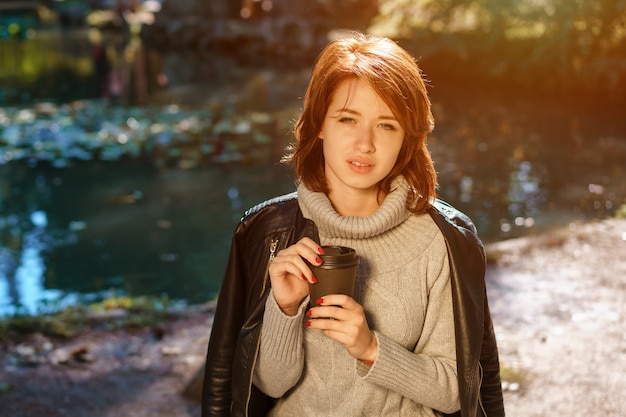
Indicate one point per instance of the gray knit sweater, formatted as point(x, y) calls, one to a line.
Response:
point(403, 285)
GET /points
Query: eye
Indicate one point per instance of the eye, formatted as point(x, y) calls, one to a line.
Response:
point(346, 120)
point(387, 126)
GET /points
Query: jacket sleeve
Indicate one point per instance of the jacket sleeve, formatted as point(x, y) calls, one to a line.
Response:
point(228, 388)
point(229, 317)
point(491, 388)
point(477, 351)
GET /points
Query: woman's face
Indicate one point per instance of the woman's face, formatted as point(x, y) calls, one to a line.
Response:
point(361, 140)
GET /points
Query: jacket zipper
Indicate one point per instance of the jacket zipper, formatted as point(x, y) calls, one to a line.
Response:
point(272, 248)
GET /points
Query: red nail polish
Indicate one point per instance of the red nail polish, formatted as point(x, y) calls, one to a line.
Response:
point(309, 313)
point(319, 301)
point(308, 324)
point(318, 261)
point(314, 280)
point(320, 251)
point(303, 277)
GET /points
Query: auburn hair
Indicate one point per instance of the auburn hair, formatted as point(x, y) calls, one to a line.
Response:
point(395, 76)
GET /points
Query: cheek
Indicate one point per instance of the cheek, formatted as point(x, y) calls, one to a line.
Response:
point(332, 143)
point(397, 154)
point(327, 149)
point(397, 147)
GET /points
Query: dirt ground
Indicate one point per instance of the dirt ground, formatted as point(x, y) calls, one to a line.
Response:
point(558, 301)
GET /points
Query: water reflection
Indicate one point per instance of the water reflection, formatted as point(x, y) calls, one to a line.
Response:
point(520, 163)
point(22, 265)
point(525, 197)
point(128, 227)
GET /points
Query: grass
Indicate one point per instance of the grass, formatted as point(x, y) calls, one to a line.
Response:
point(513, 378)
point(512, 374)
point(115, 312)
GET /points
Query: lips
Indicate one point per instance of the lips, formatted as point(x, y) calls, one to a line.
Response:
point(361, 166)
point(360, 161)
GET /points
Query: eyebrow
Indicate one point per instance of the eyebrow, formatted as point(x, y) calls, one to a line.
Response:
point(356, 113)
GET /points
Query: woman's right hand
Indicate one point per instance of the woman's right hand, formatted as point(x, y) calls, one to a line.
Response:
point(290, 275)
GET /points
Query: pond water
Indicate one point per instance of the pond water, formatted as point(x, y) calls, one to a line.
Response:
point(98, 226)
point(69, 231)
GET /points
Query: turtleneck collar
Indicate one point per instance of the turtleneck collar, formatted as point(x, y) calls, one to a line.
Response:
point(393, 211)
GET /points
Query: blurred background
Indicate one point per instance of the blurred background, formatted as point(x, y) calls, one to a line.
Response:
point(134, 134)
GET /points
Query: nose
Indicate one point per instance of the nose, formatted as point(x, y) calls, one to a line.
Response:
point(364, 142)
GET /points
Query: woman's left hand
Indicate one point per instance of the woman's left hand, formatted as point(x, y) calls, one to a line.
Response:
point(343, 319)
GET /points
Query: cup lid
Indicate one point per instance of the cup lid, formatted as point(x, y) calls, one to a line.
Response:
point(339, 256)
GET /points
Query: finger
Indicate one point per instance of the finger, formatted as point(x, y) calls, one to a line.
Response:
point(341, 300)
point(301, 247)
point(357, 341)
point(326, 324)
point(310, 251)
point(293, 265)
point(339, 330)
point(330, 312)
point(311, 245)
point(352, 317)
point(305, 248)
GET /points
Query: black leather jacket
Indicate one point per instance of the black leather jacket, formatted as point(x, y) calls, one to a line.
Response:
point(276, 224)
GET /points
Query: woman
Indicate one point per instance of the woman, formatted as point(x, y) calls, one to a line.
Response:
point(417, 338)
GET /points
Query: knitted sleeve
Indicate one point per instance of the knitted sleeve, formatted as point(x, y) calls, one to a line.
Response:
point(281, 355)
point(427, 375)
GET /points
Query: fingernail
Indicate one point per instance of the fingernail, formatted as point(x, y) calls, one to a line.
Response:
point(320, 251)
point(314, 280)
point(309, 313)
point(318, 261)
point(319, 301)
point(303, 277)
point(308, 324)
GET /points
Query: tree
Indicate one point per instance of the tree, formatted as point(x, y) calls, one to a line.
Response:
point(559, 43)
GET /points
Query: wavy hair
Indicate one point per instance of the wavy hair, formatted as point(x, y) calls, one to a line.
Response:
point(395, 76)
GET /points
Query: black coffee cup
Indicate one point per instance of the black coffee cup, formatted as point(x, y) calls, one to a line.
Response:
point(336, 274)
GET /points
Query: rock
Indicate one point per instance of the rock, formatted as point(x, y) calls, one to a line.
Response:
point(82, 354)
point(171, 350)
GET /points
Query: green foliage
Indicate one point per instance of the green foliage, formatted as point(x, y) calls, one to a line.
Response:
point(512, 377)
point(621, 213)
point(131, 303)
point(112, 313)
point(45, 66)
point(557, 44)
